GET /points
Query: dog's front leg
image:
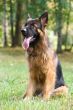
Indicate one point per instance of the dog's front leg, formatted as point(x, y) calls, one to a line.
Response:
point(49, 85)
point(30, 90)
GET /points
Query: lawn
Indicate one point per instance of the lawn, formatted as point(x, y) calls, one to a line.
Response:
point(13, 83)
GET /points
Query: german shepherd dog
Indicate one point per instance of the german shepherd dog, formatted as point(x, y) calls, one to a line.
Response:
point(45, 76)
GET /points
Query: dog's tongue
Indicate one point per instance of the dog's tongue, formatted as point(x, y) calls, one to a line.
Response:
point(26, 42)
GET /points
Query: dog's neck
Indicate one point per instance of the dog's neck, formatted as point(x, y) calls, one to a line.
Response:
point(39, 48)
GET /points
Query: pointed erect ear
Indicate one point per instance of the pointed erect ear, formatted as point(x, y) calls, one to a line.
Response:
point(44, 19)
point(29, 17)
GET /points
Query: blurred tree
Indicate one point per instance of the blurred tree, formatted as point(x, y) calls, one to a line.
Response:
point(36, 7)
point(60, 17)
point(67, 26)
point(19, 21)
point(4, 25)
point(59, 23)
point(11, 23)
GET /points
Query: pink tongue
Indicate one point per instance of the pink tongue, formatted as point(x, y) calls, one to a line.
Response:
point(26, 43)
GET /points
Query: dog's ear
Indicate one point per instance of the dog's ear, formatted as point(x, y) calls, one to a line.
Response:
point(44, 18)
point(29, 17)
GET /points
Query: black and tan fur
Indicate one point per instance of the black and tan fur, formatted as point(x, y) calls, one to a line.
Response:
point(45, 76)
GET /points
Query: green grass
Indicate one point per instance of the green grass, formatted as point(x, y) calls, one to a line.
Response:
point(13, 83)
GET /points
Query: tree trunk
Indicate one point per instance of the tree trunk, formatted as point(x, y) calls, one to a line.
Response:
point(4, 26)
point(67, 27)
point(59, 44)
point(11, 23)
point(58, 18)
point(19, 20)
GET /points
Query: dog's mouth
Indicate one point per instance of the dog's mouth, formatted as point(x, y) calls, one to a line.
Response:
point(26, 42)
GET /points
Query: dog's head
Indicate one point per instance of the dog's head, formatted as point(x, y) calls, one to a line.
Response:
point(32, 29)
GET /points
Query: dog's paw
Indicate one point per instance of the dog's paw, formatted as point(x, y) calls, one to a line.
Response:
point(27, 98)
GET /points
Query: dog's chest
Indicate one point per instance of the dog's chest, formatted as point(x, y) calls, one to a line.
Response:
point(39, 67)
point(38, 76)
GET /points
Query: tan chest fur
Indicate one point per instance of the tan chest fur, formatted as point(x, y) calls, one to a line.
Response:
point(40, 66)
